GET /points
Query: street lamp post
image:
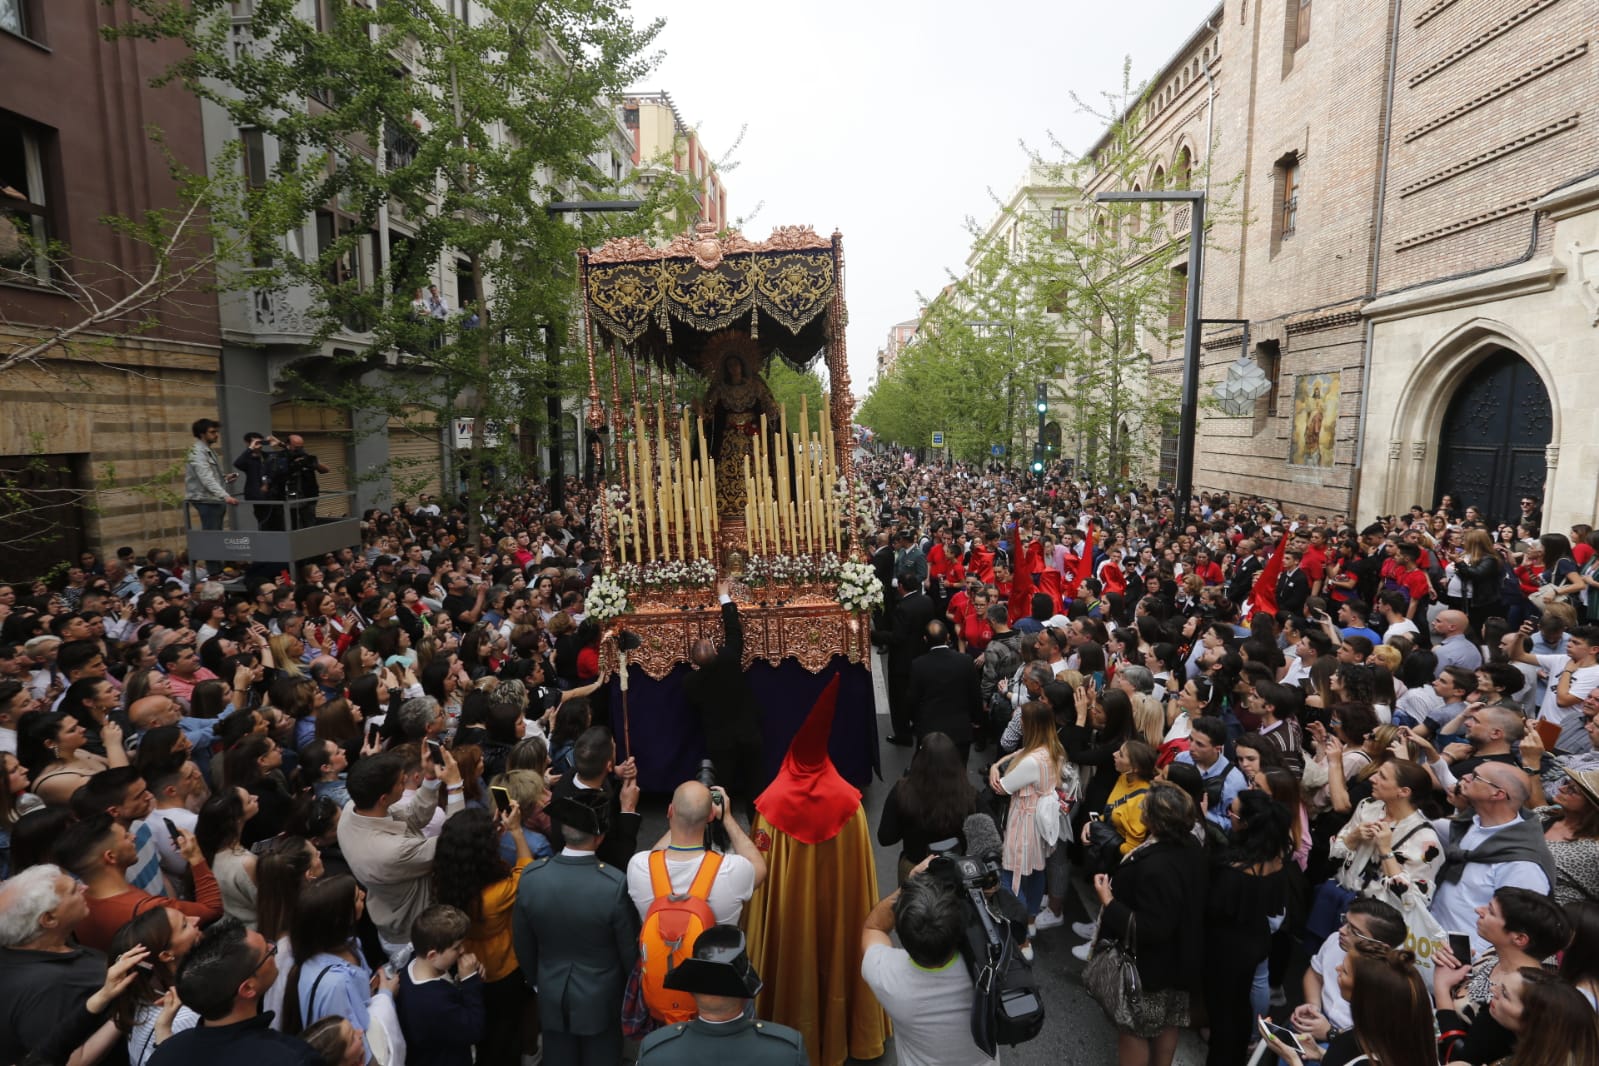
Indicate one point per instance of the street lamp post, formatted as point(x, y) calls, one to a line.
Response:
point(552, 348)
point(1188, 425)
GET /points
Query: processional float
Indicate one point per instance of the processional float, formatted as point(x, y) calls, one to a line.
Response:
point(733, 485)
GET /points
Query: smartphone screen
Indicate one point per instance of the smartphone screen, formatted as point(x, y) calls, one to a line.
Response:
point(436, 752)
point(172, 830)
point(502, 797)
point(372, 732)
point(1287, 1036)
point(1460, 946)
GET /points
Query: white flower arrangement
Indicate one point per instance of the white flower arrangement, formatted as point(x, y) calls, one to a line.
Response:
point(629, 575)
point(756, 570)
point(828, 567)
point(859, 590)
point(606, 599)
point(702, 573)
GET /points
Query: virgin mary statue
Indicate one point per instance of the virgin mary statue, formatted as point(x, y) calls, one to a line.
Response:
point(734, 402)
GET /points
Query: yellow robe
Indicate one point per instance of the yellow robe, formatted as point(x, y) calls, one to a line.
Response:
point(804, 933)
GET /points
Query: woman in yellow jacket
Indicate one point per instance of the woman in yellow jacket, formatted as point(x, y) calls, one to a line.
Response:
point(1124, 808)
point(469, 873)
point(1134, 762)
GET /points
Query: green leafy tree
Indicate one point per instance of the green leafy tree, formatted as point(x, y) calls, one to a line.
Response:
point(1080, 295)
point(459, 134)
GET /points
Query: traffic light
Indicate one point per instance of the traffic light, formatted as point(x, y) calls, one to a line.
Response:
point(1038, 458)
point(1043, 398)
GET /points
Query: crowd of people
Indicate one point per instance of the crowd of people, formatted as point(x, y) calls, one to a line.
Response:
point(1340, 777)
point(1327, 785)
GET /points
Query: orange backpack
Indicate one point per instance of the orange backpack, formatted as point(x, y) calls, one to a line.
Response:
point(671, 926)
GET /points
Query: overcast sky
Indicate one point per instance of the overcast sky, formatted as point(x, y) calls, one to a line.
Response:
point(892, 121)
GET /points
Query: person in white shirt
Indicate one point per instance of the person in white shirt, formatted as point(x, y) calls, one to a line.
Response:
point(1572, 677)
point(1391, 608)
point(1325, 1009)
point(1495, 849)
point(743, 869)
point(924, 986)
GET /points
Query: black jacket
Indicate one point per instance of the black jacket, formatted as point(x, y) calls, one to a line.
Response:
point(1292, 592)
point(246, 1043)
point(1480, 581)
point(720, 693)
point(944, 695)
point(1162, 886)
point(907, 633)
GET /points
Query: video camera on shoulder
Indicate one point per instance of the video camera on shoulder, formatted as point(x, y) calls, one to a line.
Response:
point(1006, 1008)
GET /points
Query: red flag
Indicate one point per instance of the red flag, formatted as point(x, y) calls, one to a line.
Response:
point(1085, 564)
point(1263, 597)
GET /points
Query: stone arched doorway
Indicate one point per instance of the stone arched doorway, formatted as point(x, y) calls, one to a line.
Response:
point(1494, 435)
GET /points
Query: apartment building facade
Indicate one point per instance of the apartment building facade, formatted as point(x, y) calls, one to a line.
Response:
point(98, 427)
point(663, 141)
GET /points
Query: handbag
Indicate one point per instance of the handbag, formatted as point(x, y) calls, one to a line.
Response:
point(1111, 976)
point(1054, 809)
point(1104, 847)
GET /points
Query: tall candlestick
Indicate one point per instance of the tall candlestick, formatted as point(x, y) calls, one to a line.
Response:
point(646, 484)
point(663, 474)
point(695, 512)
point(802, 533)
point(686, 505)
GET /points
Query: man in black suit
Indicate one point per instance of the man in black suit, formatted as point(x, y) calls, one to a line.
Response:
point(719, 691)
point(905, 638)
point(593, 763)
point(883, 563)
point(1293, 586)
point(944, 696)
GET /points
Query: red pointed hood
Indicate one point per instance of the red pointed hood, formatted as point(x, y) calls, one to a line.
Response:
point(809, 800)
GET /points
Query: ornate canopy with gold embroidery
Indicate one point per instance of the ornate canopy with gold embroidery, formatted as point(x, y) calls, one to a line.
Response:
point(664, 303)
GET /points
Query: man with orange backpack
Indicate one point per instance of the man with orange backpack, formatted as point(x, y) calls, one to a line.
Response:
point(680, 889)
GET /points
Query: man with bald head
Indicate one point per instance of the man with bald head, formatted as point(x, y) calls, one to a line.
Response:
point(1453, 647)
point(683, 848)
point(1497, 846)
point(328, 673)
point(720, 693)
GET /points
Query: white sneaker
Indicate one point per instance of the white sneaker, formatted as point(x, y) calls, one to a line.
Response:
point(1083, 930)
point(1082, 951)
point(1048, 919)
point(1027, 951)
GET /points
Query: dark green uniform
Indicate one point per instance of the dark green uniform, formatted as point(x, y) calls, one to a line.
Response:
point(747, 1042)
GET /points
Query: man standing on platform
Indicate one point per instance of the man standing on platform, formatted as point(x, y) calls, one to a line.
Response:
point(720, 693)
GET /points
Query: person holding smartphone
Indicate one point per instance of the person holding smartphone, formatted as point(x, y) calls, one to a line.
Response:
point(1391, 1010)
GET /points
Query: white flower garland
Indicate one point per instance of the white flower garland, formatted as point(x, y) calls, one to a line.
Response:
point(859, 590)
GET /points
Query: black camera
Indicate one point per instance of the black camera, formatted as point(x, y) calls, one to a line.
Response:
point(962, 871)
point(716, 838)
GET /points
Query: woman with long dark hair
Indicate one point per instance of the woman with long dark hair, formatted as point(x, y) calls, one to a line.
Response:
point(1246, 903)
point(167, 935)
point(469, 874)
point(321, 769)
point(255, 764)
point(15, 801)
point(329, 975)
point(219, 830)
point(929, 803)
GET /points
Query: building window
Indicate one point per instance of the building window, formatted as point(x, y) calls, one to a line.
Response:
point(14, 17)
point(1182, 172)
point(1177, 315)
point(24, 202)
point(255, 175)
point(1301, 12)
point(1057, 221)
point(1288, 201)
point(630, 117)
point(1269, 357)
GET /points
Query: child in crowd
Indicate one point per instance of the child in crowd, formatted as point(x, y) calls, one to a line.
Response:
point(441, 1016)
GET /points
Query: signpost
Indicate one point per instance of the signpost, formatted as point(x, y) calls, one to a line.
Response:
point(938, 438)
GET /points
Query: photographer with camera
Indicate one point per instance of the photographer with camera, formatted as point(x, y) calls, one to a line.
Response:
point(263, 472)
point(693, 809)
point(923, 985)
point(300, 482)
